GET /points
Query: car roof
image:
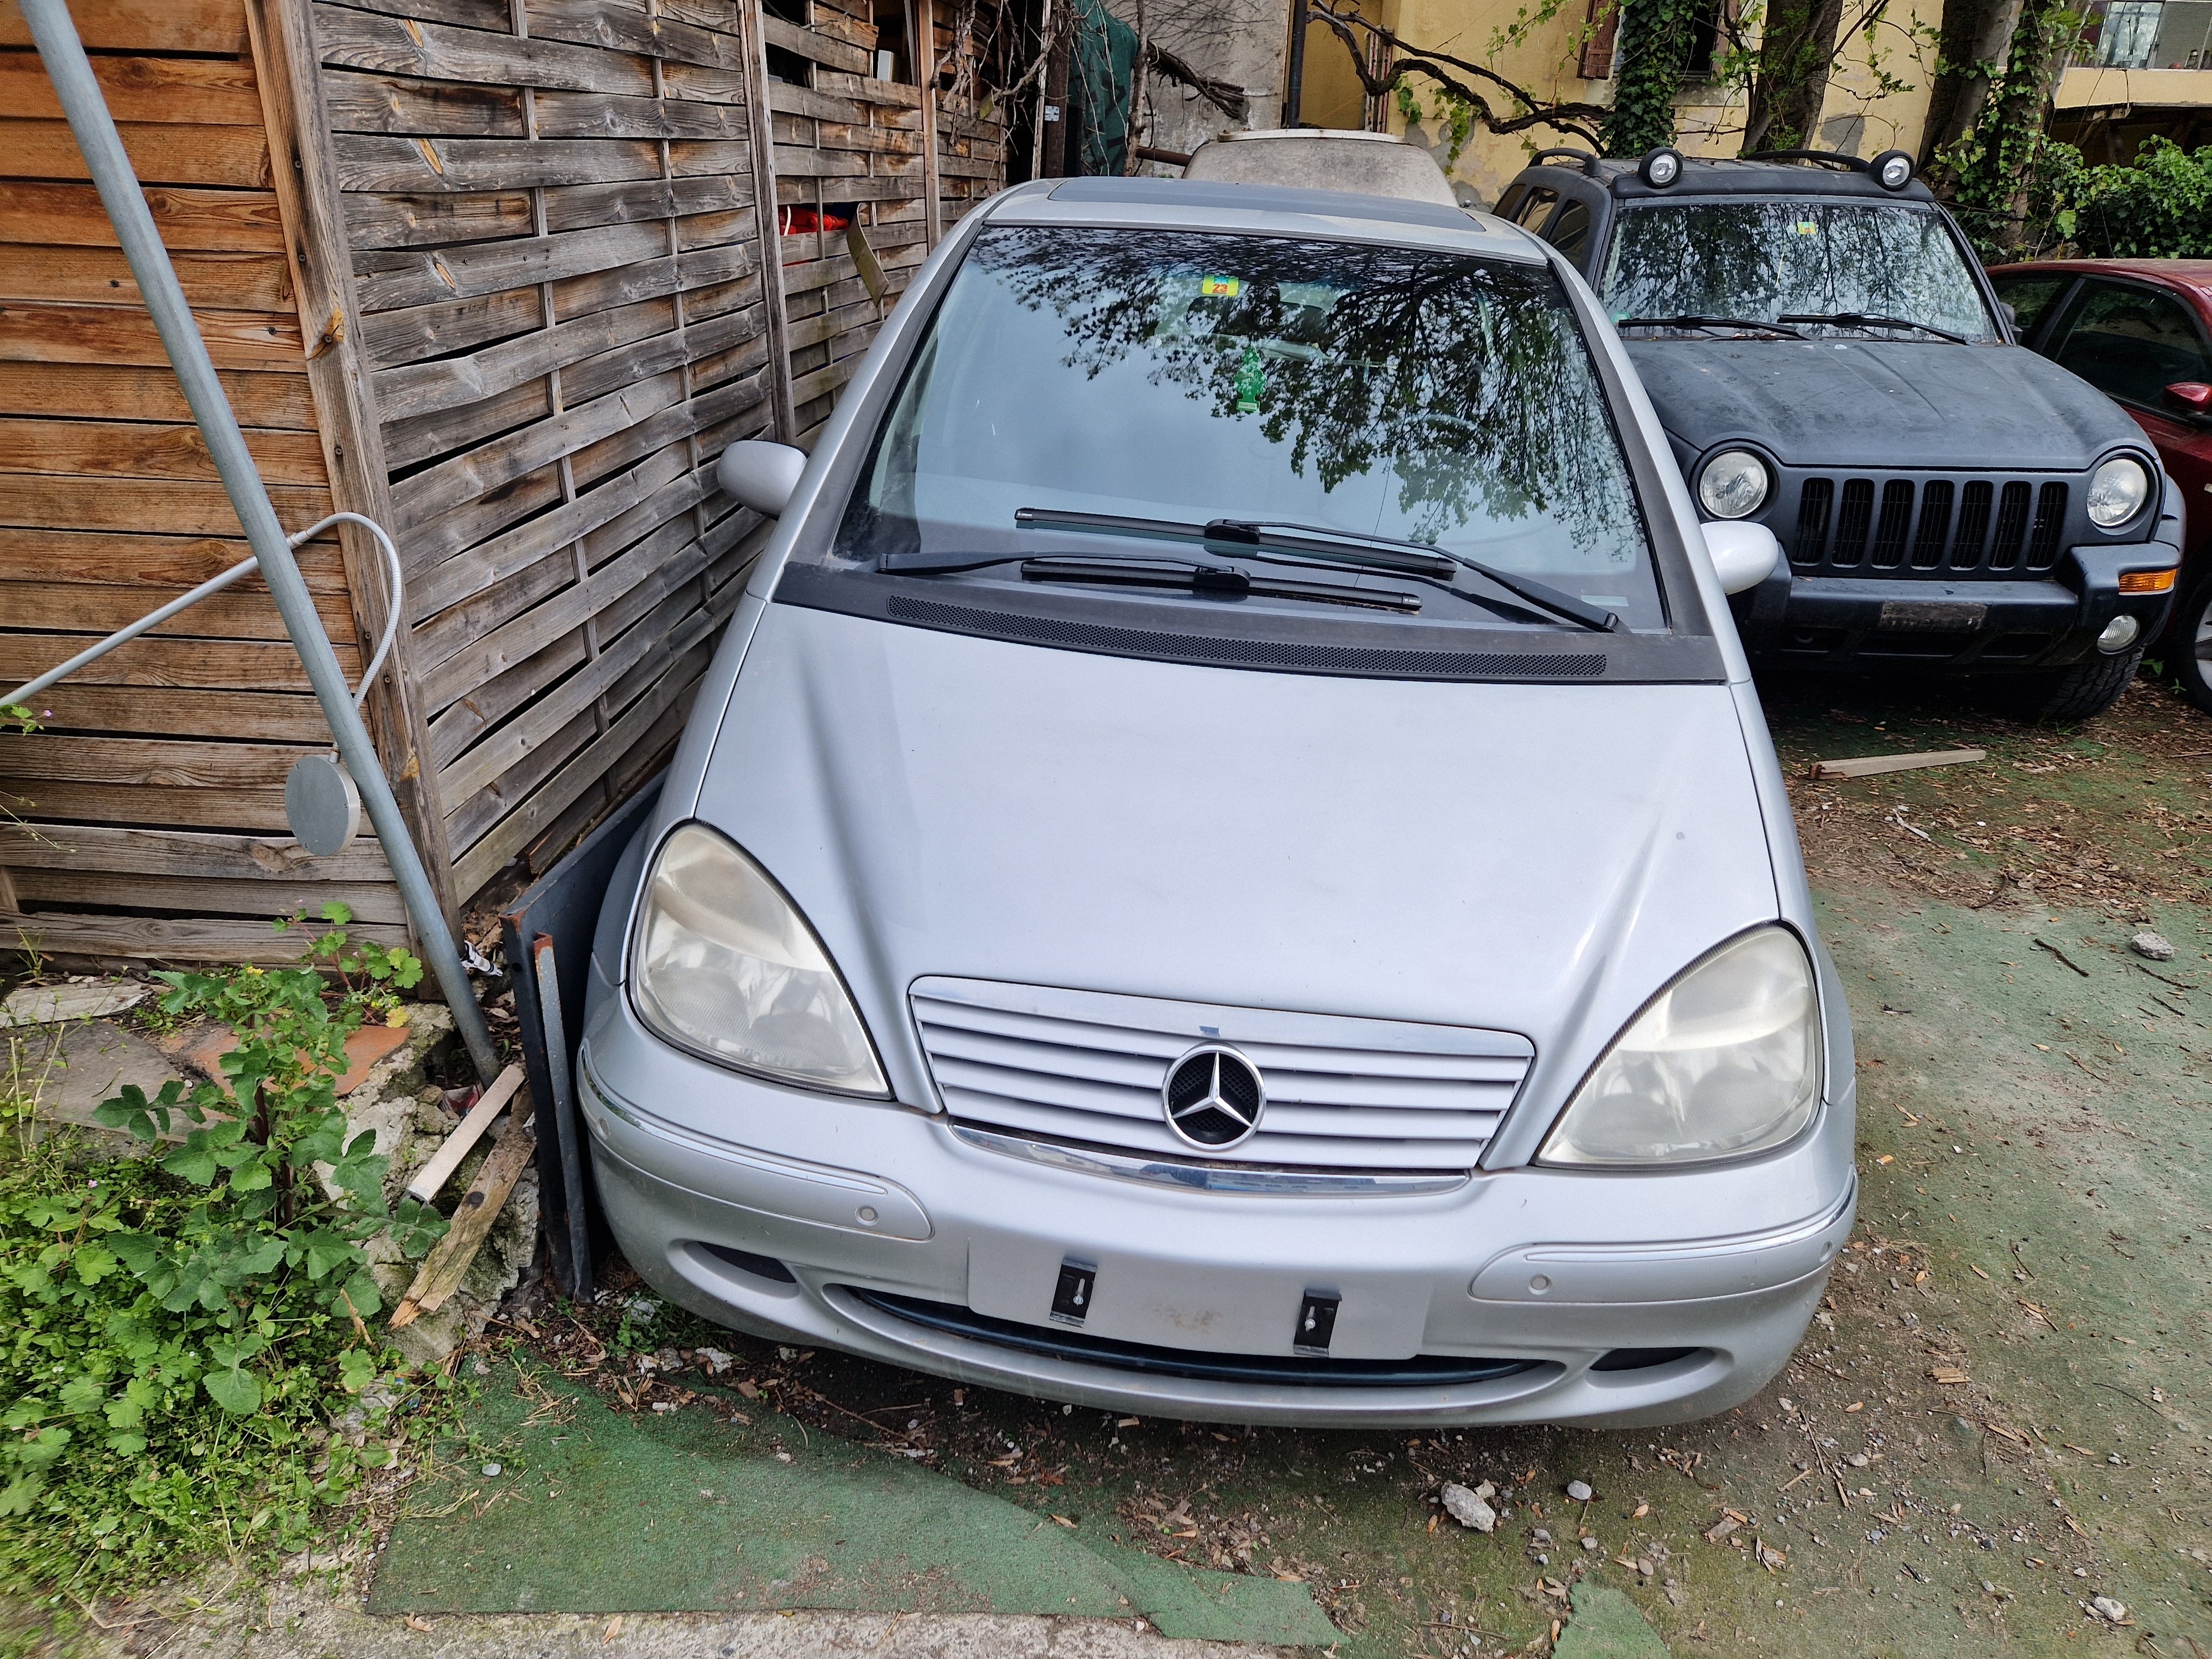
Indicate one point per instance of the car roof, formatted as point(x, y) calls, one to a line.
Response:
point(1261, 210)
point(1702, 178)
point(2195, 275)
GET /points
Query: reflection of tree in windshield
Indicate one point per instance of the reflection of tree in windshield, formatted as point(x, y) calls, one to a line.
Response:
point(1762, 259)
point(1469, 380)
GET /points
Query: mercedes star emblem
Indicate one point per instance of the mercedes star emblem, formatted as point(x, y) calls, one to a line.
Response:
point(1214, 1097)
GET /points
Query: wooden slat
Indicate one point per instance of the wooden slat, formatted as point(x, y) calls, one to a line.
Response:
point(379, 161)
point(199, 896)
point(446, 434)
point(158, 939)
point(164, 153)
point(100, 276)
point(125, 391)
point(102, 608)
point(258, 811)
point(389, 281)
point(208, 26)
point(133, 449)
point(197, 91)
point(631, 26)
point(182, 663)
point(174, 563)
point(433, 331)
point(38, 333)
point(419, 389)
point(391, 103)
point(155, 763)
point(184, 852)
point(395, 221)
point(182, 506)
point(600, 115)
point(819, 49)
point(359, 40)
point(220, 220)
point(73, 706)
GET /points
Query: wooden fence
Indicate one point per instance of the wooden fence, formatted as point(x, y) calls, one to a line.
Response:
point(505, 275)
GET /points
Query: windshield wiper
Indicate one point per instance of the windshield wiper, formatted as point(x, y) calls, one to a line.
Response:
point(1225, 581)
point(1713, 322)
point(1860, 319)
point(1325, 545)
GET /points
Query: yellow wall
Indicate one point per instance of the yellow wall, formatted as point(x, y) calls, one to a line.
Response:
point(1544, 63)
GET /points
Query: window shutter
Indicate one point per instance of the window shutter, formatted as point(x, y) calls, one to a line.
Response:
point(1598, 51)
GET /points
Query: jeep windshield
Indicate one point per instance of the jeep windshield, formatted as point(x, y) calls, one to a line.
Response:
point(1820, 269)
point(1077, 385)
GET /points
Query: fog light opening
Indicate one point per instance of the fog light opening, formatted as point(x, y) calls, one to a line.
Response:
point(1641, 1360)
point(2119, 633)
point(760, 1267)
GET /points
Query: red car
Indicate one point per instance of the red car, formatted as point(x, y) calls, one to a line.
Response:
point(2140, 331)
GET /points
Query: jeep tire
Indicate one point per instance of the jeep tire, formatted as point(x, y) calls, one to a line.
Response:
point(2087, 689)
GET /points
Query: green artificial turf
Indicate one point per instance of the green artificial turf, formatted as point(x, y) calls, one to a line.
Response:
point(598, 1512)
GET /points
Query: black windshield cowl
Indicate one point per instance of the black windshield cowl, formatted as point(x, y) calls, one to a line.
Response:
point(1751, 325)
point(1860, 321)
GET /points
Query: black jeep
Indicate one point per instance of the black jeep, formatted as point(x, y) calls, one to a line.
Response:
point(1828, 360)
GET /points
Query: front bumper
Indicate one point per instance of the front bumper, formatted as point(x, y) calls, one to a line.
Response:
point(1952, 623)
point(807, 1218)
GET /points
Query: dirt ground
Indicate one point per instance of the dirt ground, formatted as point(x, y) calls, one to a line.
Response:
point(2002, 1413)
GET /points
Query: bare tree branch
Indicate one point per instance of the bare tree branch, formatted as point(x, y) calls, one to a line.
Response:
point(1402, 58)
point(1224, 95)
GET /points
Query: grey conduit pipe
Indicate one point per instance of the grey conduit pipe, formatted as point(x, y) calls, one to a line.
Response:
point(56, 37)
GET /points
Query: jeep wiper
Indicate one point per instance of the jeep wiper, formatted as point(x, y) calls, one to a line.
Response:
point(1860, 319)
point(1325, 545)
point(1223, 579)
point(1713, 323)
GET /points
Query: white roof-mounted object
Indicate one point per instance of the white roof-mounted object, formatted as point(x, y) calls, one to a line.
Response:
point(1316, 158)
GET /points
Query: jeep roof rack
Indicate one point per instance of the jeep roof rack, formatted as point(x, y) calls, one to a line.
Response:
point(1588, 158)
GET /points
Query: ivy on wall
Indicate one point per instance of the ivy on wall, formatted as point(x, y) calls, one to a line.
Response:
point(2002, 169)
point(1653, 49)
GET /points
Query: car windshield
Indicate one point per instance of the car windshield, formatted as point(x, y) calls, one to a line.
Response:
point(1763, 261)
point(1374, 391)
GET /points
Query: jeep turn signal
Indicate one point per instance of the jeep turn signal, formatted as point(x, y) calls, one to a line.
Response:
point(2147, 581)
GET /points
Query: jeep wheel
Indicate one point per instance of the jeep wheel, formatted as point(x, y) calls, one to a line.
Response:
point(2087, 689)
point(2188, 639)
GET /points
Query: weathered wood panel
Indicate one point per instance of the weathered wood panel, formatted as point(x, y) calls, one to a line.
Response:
point(156, 757)
point(555, 217)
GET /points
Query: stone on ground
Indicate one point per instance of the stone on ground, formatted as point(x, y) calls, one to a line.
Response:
point(51, 1005)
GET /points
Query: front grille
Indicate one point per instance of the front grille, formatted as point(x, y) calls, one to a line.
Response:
point(1913, 524)
point(1086, 1067)
point(1287, 1371)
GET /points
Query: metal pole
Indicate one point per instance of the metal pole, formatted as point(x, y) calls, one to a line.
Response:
point(56, 37)
point(1294, 82)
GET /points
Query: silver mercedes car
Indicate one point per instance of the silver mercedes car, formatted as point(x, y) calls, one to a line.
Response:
point(1228, 864)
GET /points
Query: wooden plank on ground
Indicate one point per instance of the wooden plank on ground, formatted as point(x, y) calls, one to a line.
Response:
point(423, 1186)
point(451, 1257)
point(1866, 766)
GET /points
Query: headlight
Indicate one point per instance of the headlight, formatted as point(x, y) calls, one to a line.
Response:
point(725, 965)
point(2117, 490)
point(1734, 483)
point(1724, 1061)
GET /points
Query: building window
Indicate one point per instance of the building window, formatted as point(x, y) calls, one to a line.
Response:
point(2127, 33)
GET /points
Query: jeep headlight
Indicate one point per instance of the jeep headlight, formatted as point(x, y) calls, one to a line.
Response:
point(2117, 490)
point(1724, 1061)
point(1733, 485)
point(725, 966)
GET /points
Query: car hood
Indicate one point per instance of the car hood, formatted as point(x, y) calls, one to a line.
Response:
point(1533, 858)
point(1879, 404)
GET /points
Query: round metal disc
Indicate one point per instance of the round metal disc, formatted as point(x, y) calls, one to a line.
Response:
point(321, 804)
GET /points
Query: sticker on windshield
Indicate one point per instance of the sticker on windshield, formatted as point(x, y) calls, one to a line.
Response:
point(1807, 227)
point(1220, 288)
point(1251, 381)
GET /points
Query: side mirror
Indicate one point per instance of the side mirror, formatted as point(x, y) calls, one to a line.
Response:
point(2193, 396)
point(1744, 554)
point(760, 474)
point(2011, 315)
